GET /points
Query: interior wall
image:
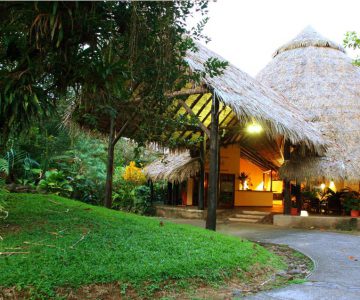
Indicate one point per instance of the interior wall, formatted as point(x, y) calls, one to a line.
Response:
point(255, 173)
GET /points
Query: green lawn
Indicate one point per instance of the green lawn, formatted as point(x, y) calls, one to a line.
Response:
point(70, 244)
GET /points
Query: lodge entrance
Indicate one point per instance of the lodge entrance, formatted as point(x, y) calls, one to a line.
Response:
point(226, 190)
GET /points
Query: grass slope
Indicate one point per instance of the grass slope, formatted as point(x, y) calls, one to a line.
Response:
point(72, 244)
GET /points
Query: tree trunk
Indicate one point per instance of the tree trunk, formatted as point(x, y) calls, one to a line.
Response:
point(110, 166)
point(201, 199)
point(214, 165)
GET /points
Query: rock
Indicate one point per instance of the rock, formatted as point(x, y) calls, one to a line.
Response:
point(282, 273)
point(237, 293)
point(294, 272)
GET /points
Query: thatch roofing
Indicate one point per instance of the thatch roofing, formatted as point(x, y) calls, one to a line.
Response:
point(243, 100)
point(251, 100)
point(173, 167)
point(316, 75)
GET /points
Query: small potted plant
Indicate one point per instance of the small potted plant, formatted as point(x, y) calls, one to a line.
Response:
point(243, 177)
point(352, 205)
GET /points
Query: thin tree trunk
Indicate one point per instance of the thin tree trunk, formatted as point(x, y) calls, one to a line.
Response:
point(214, 165)
point(202, 174)
point(110, 166)
point(113, 139)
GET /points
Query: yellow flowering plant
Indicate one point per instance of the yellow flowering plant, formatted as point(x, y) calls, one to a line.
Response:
point(134, 174)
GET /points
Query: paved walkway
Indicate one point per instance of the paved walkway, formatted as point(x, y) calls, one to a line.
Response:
point(336, 256)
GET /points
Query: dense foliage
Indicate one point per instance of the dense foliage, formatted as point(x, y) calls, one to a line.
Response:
point(112, 66)
point(53, 159)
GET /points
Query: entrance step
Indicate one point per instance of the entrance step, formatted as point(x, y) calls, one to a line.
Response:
point(249, 216)
point(254, 212)
point(243, 220)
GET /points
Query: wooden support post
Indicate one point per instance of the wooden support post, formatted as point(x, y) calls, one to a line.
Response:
point(174, 194)
point(169, 194)
point(287, 197)
point(214, 165)
point(298, 197)
point(201, 199)
point(271, 180)
point(287, 185)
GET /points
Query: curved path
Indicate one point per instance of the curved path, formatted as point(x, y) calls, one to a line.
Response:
point(336, 256)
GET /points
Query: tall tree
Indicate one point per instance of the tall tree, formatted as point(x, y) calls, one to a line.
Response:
point(118, 63)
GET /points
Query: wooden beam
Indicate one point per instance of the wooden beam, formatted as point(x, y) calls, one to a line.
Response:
point(214, 166)
point(196, 101)
point(188, 92)
point(201, 200)
point(203, 107)
point(223, 120)
point(190, 112)
point(191, 106)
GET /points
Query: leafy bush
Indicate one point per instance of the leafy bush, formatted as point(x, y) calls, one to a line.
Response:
point(142, 200)
point(351, 202)
point(128, 195)
point(56, 182)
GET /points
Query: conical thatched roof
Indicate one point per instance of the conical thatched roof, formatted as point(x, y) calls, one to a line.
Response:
point(173, 167)
point(315, 74)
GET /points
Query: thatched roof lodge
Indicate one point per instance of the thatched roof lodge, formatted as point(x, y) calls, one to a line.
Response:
point(244, 100)
point(315, 74)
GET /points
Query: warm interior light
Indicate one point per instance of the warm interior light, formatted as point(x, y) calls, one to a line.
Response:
point(254, 128)
point(260, 187)
point(245, 185)
point(322, 186)
point(332, 186)
point(304, 213)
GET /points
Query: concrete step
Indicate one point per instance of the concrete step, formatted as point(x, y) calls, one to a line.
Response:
point(255, 212)
point(243, 220)
point(246, 216)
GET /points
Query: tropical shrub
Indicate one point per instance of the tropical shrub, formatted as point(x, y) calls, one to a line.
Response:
point(56, 182)
point(351, 201)
point(142, 200)
point(134, 174)
point(129, 192)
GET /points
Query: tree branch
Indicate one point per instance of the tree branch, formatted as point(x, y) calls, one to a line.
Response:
point(122, 129)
